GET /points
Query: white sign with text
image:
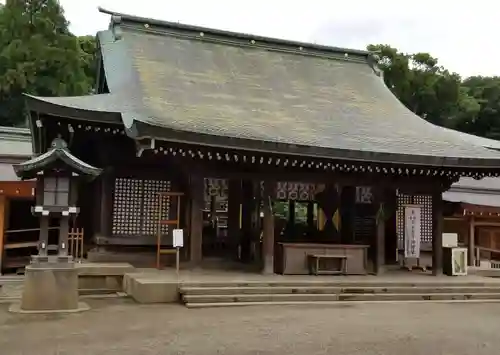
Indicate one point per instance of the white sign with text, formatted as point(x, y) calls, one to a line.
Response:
point(413, 231)
point(178, 238)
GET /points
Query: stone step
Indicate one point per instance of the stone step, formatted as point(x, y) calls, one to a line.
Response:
point(333, 290)
point(191, 299)
point(338, 283)
point(327, 303)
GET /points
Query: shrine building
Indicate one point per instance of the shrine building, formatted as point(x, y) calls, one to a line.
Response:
point(264, 151)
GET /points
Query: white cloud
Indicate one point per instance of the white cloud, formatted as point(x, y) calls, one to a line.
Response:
point(463, 35)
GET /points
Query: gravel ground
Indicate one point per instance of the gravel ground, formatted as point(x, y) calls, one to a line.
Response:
point(119, 326)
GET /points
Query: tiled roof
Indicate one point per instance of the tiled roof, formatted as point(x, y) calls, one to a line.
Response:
point(205, 86)
point(15, 143)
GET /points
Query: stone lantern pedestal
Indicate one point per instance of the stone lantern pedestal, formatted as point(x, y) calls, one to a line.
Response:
point(51, 281)
point(51, 287)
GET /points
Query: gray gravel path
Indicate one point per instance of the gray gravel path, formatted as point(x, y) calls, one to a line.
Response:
point(121, 327)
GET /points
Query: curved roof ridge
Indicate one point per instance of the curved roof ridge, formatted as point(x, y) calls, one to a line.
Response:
point(118, 17)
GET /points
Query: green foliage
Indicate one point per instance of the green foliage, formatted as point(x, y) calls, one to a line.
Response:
point(424, 86)
point(441, 97)
point(486, 92)
point(39, 56)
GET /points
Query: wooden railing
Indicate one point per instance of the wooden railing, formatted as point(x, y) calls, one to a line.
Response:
point(491, 256)
point(75, 244)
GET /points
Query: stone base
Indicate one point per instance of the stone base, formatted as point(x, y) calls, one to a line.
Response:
point(146, 289)
point(50, 260)
point(49, 288)
point(16, 308)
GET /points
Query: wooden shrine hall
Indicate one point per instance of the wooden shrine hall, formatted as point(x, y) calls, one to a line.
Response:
point(274, 152)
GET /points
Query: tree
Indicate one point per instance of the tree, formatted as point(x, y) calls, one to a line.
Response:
point(88, 48)
point(486, 91)
point(425, 87)
point(38, 55)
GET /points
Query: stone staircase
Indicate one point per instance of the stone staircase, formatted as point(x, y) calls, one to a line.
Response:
point(223, 294)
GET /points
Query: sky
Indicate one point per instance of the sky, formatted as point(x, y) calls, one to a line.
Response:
point(463, 35)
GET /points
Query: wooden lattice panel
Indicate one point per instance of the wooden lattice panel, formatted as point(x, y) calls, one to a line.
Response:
point(425, 217)
point(127, 206)
point(295, 191)
point(135, 206)
point(217, 188)
point(154, 204)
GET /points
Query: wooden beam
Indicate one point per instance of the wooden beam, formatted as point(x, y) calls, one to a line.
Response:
point(410, 184)
point(18, 189)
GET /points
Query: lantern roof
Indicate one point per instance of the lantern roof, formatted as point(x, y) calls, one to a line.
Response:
point(58, 159)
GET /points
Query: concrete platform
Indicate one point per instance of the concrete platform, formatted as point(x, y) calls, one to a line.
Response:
point(485, 272)
point(102, 277)
point(149, 288)
point(206, 287)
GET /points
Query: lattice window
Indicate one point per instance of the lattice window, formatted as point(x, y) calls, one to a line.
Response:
point(426, 216)
point(153, 204)
point(135, 206)
point(127, 206)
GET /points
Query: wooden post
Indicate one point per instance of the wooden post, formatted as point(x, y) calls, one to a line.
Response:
point(63, 236)
point(3, 213)
point(380, 235)
point(233, 215)
point(177, 261)
point(196, 232)
point(44, 236)
point(437, 233)
point(246, 223)
point(472, 237)
point(105, 186)
point(268, 229)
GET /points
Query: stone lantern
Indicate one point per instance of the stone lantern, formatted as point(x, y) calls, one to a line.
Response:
point(51, 280)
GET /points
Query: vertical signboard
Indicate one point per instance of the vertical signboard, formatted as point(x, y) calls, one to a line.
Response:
point(413, 231)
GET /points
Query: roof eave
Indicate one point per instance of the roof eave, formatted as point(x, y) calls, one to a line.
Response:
point(140, 130)
point(39, 105)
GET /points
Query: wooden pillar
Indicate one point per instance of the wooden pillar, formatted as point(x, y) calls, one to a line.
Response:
point(472, 242)
point(437, 233)
point(196, 223)
point(268, 229)
point(380, 234)
point(44, 236)
point(106, 205)
point(246, 220)
point(3, 214)
point(233, 215)
point(63, 236)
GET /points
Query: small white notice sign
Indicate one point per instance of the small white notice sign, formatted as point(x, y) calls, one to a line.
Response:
point(178, 238)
